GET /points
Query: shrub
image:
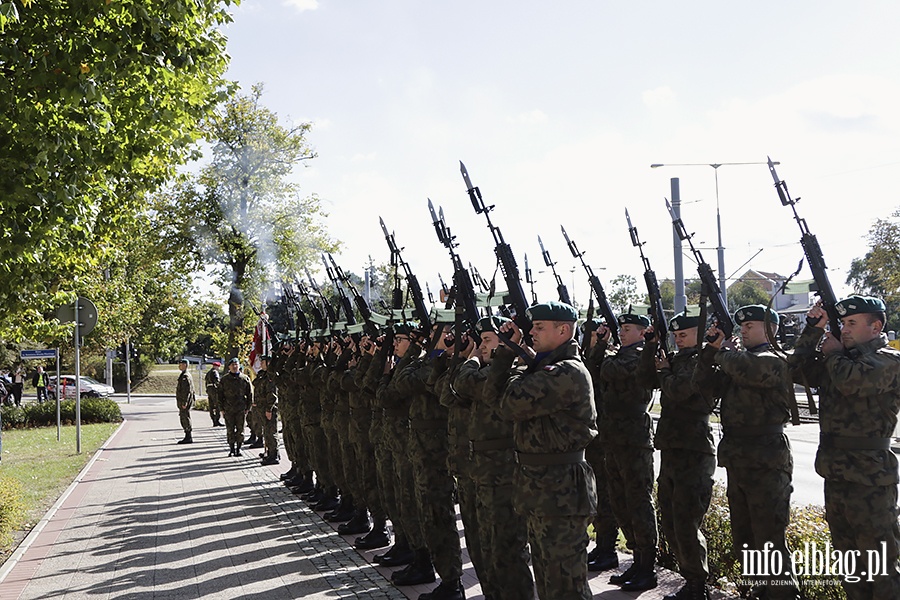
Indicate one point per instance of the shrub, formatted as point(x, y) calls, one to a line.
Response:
point(93, 410)
point(12, 507)
point(201, 404)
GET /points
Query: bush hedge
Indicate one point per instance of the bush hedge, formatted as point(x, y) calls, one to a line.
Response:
point(93, 410)
point(12, 508)
point(201, 404)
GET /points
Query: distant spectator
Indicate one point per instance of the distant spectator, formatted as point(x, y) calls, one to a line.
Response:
point(18, 382)
point(39, 381)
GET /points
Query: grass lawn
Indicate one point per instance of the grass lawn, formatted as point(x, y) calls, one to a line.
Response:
point(45, 467)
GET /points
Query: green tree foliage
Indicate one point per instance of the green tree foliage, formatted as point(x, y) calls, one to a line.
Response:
point(878, 272)
point(101, 102)
point(624, 292)
point(243, 210)
point(746, 292)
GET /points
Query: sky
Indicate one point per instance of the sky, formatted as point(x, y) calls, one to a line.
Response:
point(559, 109)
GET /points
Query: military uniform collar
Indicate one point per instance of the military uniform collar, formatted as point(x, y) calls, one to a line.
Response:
point(869, 347)
point(759, 348)
point(564, 352)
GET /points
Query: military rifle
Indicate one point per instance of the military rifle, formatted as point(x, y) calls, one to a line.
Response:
point(657, 315)
point(604, 307)
point(371, 328)
point(343, 300)
point(814, 257)
point(505, 257)
point(561, 288)
point(301, 324)
point(708, 281)
point(329, 309)
point(412, 283)
point(529, 279)
point(318, 317)
point(464, 291)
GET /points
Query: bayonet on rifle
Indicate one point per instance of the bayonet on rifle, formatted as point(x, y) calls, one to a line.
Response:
point(657, 315)
point(561, 288)
point(604, 306)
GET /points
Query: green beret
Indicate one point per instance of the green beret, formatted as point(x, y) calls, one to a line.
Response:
point(633, 319)
point(234, 361)
point(404, 328)
point(855, 305)
point(755, 312)
point(552, 311)
point(182, 361)
point(489, 324)
point(683, 321)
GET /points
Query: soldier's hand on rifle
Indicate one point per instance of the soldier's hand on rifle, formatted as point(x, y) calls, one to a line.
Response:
point(476, 352)
point(511, 330)
point(603, 333)
point(715, 336)
point(818, 317)
point(661, 363)
point(650, 334)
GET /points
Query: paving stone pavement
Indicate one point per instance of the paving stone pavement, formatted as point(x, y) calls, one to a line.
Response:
point(148, 519)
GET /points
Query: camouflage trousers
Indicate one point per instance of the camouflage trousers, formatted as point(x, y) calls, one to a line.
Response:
point(337, 437)
point(184, 416)
point(684, 490)
point(255, 421)
point(629, 471)
point(294, 444)
point(864, 518)
point(367, 470)
point(234, 426)
point(759, 501)
point(434, 495)
point(559, 556)
point(317, 445)
point(503, 538)
point(270, 432)
point(403, 482)
point(605, 525)
point(386, 471)
point(468, 512)
point(213, 399)
point(357, 443)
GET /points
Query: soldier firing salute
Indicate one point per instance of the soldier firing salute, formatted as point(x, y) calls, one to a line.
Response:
point(688, 456)
point(212, 393)
point(552, 405)
point(859, 382)
point(267, 404)
point(184, 398)
point(626, 433)
point(235, 398)
point(756, 392)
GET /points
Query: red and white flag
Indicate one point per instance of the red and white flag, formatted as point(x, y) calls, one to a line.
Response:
point(262, 341)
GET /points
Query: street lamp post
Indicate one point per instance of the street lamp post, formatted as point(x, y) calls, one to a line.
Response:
point(720, 250)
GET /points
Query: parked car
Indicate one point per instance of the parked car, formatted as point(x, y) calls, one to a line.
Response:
point(90, 387)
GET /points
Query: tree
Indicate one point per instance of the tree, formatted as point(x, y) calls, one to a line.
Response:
point(878, 272)
point(101, 102)
point(743, 293)
point(623, 293)
point(244, 212)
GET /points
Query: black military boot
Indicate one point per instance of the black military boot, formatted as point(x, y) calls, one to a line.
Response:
point(290, 473)
point(257, 443)
point(270, 459)
point(230, 449)
point(305, 484)
point(187, 439)
point(314, 496)
point(420, 571)
point(604, 556)
point(358, 524)
point(446, 590)
point(344, 512)
point(251, 440)
point(398, 554)
point(377, 538)
point(645, 576)
point(627, 573)
point(328, 502)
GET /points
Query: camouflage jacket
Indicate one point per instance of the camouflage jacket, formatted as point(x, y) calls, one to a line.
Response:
point(415, 382)
point(184, 390)
point(288, 390)
point(264, 391)
point(310, 408)
point(684, 416)
point(211, 381)
point(552, 406)
point(755, 390)
point(625, 397)
point(492, 466)
point(459, 407)
point(235, 392)
point(859, 395)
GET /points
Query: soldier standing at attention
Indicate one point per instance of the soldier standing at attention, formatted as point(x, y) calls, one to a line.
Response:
point(626, 433)
point(212, 393)
point(552, 406)
point(184, 397)
point(267, 404)
point(235, 398)
point(688, 456)
point(756, 392)
point(859, 389)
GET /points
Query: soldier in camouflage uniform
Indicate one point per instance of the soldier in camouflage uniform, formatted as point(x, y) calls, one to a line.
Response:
point(266, 402)
point(309, 380)
point(859, 391)
point(184, 398)
point(212, 393)
point(235, 398)
point(688, 457)
point(428, 450)
point(756, 392)
point(552, 406)
point(499, 534)
point(626, 433)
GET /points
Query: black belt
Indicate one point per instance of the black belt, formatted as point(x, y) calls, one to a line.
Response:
point(485, 445)
point(828, 440)
point(754, 431)
point(564, 458)
point(425, 424)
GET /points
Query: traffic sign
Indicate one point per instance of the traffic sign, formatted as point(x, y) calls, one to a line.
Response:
point(87, 315)
point(33, 354)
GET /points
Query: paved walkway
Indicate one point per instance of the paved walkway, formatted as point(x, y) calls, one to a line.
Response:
point(147, 519)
